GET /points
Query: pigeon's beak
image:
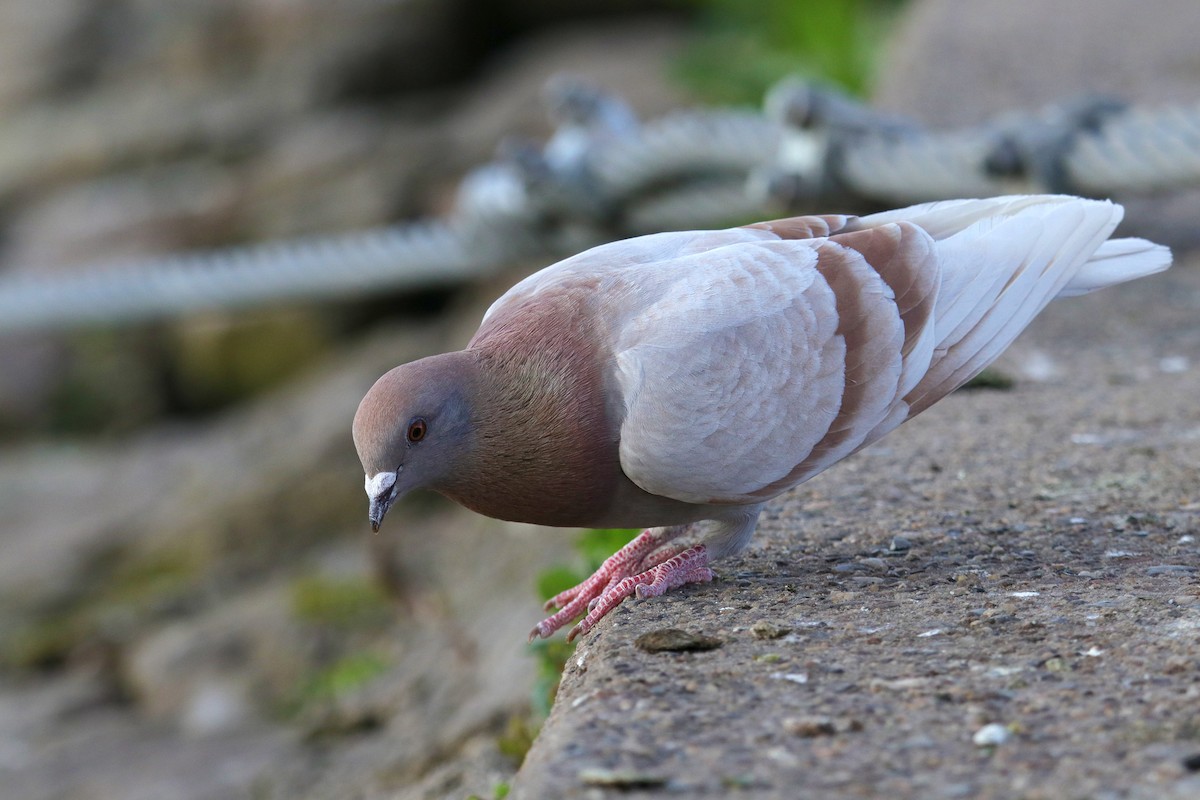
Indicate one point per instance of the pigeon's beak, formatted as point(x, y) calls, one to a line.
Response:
point(381, 489)
point(379, 507)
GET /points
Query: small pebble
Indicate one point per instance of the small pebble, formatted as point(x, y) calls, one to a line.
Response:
point(620, 778)
point(794, 677)
point(675, 640)
point(1170, 569)
point(991, 735)
point(1174, 364)
point(899, 544)
point(1192, 763)
point(766, 630)
point(810, 727)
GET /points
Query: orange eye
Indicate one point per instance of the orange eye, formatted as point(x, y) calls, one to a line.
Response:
point(416, 430)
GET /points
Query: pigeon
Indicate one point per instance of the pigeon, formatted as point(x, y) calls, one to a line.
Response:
point(677, 382)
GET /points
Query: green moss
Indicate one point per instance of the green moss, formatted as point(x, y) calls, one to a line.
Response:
point(341, 602)
point(991, 378)
point(327, 685)
point(127, 589)
point(42, 644)
point(743, 48)
point(499, 792)
point(108, 386)
point(517, 738)
point(220, 359)
point(597, 545)
point(142, 578)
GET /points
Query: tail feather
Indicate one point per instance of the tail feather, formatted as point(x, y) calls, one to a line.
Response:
point(1117, 261)
point(1002, 261)
point(945, 218)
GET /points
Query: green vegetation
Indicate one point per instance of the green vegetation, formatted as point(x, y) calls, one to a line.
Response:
point(745, 47)
point(593, 547)
point(991, 378)
point(344, 603)
point(219, 360)
point(499, 792)
point(519, 732)
point(129, 588)
point(347, 616)
point(330, 684)
point(41, 644)
point(108, 386)
point(551, 655)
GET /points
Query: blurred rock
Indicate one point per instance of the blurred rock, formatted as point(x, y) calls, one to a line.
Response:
point(31, 369)
point(955, 63)
point(631, 59)
point(340, 171)
point(215, 360)
point(958, 63)
point(214, 580)
point(34, 58)
point(195, 560)
point(199, 673)
point(136, 128)
point(179, 207)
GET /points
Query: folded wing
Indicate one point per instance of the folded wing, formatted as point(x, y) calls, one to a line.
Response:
point(758, 363)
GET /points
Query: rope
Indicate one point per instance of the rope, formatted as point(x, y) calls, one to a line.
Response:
point(603, 175)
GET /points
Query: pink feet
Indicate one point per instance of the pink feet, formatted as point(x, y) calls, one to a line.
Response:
point(640, 568)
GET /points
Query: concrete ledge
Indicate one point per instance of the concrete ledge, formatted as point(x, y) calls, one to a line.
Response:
point(1000, 599)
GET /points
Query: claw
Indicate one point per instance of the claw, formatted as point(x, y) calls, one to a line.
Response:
point(688, 566)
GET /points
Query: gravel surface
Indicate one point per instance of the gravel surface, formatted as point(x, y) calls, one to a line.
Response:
point(1001, 599)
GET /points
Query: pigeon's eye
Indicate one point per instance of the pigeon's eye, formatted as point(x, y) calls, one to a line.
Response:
point(416, 430)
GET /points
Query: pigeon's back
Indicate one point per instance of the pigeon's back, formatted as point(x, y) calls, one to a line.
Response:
point(780, 351)
point(1002, 260)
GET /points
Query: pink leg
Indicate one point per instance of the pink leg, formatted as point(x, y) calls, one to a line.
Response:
point(635, 561)
point(689, 566)
point(614, 567)
point(621, 564)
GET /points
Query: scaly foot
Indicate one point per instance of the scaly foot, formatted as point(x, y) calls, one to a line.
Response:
point(640, 568)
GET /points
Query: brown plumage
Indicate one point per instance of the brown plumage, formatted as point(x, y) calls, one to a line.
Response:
point(679, 381)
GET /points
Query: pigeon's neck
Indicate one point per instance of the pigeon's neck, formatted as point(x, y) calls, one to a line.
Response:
point(545, 448)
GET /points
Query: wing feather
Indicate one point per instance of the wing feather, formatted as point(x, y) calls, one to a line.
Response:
point(732, 375)
point(748, 360)
point(617, 257)
point(767, 363)
point(1035, 256)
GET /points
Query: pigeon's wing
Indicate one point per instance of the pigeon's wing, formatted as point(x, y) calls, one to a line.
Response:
point(760, 363)
point(606, 266)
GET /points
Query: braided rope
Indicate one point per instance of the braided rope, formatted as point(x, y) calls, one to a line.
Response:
point(603, 176)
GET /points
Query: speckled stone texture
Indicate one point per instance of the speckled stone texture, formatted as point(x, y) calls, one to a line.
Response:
point(1026, 557)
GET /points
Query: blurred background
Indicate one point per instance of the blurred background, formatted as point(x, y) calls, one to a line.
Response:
point(191, 603)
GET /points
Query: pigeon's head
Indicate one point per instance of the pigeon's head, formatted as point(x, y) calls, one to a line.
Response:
point(413, 428)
